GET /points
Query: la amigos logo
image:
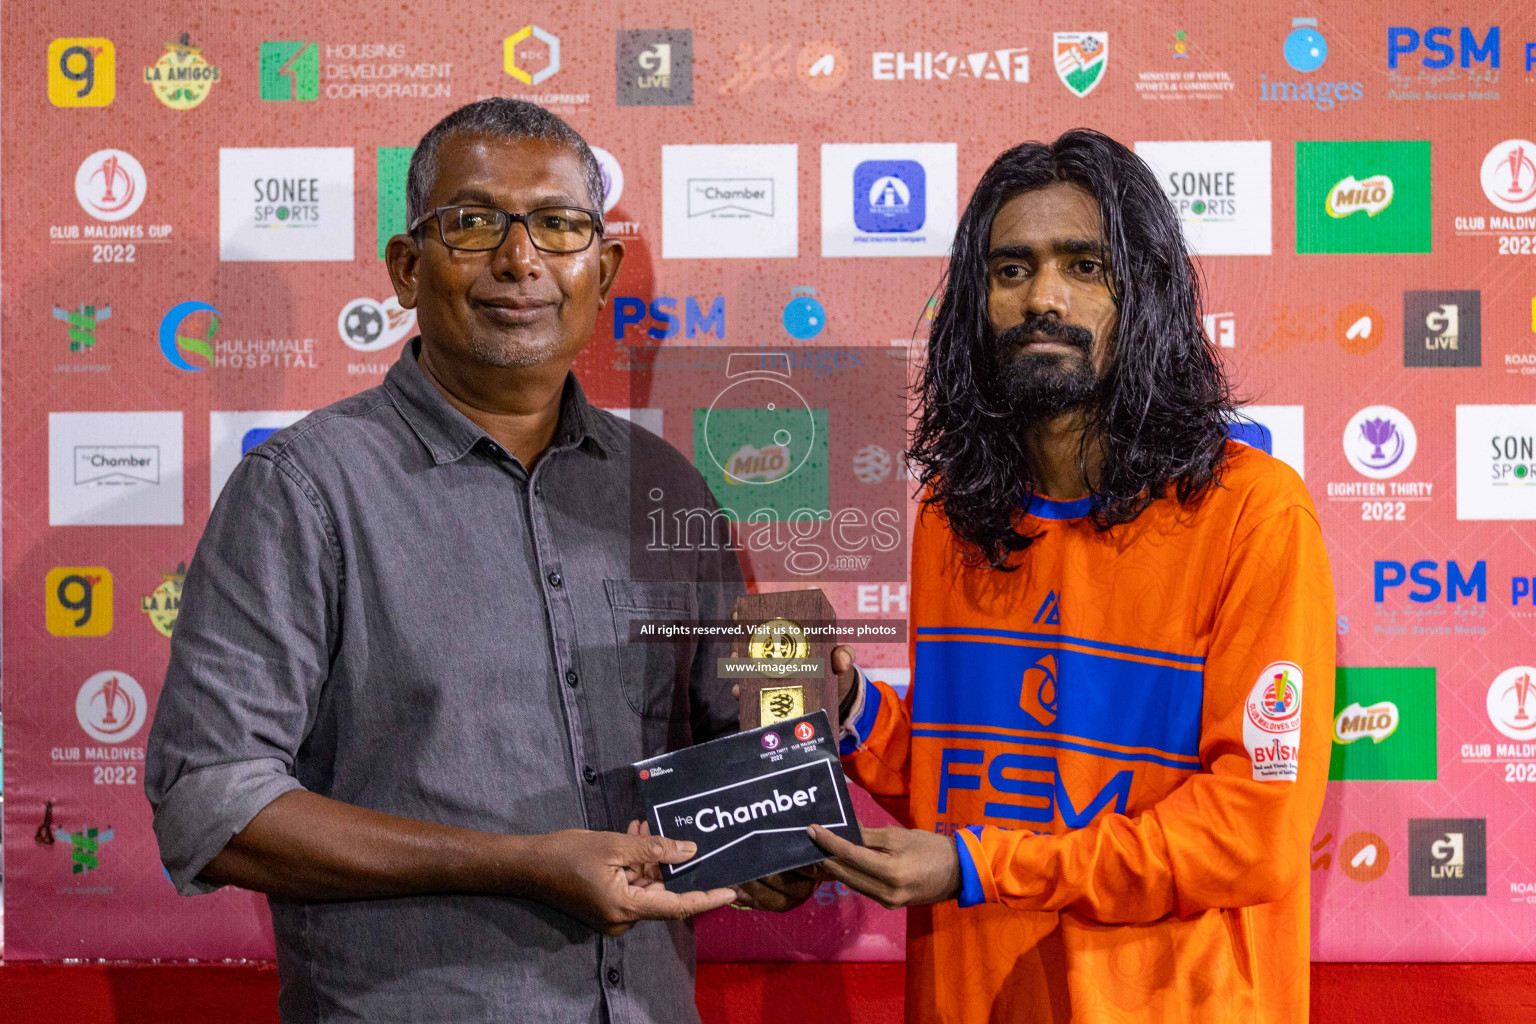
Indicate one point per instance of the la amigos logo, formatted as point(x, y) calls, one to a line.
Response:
point(110, 185)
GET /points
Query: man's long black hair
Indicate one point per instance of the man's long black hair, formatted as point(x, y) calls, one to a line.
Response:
point(1162, 412)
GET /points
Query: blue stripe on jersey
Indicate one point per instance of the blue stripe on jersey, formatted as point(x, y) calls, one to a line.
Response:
point(1086, 696)
point(1052, 638)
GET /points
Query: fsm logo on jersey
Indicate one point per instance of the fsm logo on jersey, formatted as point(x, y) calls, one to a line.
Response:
point(285, 204)
point(888, 199)
point(730, 202)
point(1221, 191)
point(1496, 462)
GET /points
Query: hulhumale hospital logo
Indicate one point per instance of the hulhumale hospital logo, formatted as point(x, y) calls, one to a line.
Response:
point(1380, 442)
point(173, 343)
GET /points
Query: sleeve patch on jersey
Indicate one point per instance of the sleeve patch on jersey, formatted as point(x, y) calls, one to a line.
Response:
point(1272, 723)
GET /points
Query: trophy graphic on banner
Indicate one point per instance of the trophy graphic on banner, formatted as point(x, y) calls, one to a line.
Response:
point(782, 656)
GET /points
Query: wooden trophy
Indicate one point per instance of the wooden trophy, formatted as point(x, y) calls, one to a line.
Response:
point(785, 629)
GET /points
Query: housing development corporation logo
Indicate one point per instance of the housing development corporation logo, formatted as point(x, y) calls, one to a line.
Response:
point(1496, 462)
point(1442, 328)
point(1221, 191)
point(1447, 856)
point(1384, 724)
point(182, 78)
point(1362, 197)
point(110, 185)
point(654, 67)
point(888, 199)
point(1081, 59)
point(290, 71)
point(730, 201)
point(82, 72)
point(285, 204)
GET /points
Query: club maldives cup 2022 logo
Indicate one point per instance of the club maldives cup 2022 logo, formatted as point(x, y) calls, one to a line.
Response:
point(1272, 722)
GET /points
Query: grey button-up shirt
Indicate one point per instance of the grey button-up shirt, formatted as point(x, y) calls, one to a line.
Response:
point(386, 608)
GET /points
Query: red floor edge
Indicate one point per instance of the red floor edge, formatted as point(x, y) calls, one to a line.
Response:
point(746, 993)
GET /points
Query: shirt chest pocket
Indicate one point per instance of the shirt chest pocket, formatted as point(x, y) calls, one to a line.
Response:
point(654, 672)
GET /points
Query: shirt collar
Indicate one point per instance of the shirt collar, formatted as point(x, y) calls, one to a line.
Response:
point(1042, 507)
point(449, 435)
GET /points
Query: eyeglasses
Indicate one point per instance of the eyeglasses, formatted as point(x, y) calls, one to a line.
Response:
point(553, 229)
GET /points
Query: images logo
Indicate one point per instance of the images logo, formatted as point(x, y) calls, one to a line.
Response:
point(369, 325)
point(529, 47)
point(1448, 856)
point(82, 72)
point(1305, 48)
point(1349, 196)
point(1380, 442)
point(1442, 328)
point(889, 195)
point(1387, 181)
point(181, 78)
point(172, 341)
point(1081, 60)
point(110, 185)
point(654, 67)
point(163, 604)
point(1384, 725)
point(1508, 176)
point(77, 601)
point(1512, 702)
point(110, 707)
point(82, 324)
point(290, 71)
point(804, 317)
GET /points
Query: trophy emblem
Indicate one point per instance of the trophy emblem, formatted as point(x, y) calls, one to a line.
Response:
point(785, 655)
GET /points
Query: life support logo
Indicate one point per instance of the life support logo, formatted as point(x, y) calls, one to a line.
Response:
point(1272, 722)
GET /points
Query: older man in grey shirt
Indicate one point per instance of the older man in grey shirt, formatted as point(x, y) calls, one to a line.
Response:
point(401, 700)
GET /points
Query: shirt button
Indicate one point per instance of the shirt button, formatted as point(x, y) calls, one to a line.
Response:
point(589, 773)
point(613, 975)
point(571, 678)
point(555, 579)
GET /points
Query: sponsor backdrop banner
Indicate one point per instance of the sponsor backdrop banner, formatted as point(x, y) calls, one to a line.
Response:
point(195, 209)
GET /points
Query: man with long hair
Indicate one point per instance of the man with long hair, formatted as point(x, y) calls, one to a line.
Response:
point(1115, 745)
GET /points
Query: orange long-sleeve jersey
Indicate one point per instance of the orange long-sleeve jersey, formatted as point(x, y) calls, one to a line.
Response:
point(1129, 738)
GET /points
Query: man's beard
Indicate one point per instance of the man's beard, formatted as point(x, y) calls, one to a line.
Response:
point(1042, 385)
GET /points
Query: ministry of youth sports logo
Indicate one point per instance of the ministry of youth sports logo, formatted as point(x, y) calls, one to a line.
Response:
point(1380, 442)
point(110, 185)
